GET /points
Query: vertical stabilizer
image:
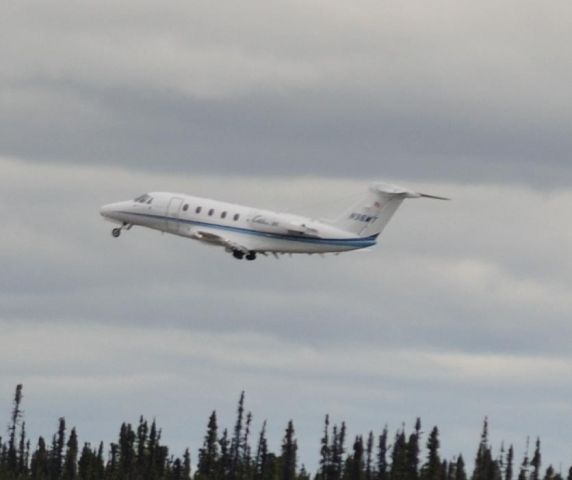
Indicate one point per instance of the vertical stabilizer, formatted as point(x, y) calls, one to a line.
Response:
point(371, 214)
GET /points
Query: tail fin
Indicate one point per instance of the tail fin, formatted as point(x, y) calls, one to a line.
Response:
point(370, 216)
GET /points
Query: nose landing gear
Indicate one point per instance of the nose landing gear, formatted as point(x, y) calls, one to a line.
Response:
point(117, 230)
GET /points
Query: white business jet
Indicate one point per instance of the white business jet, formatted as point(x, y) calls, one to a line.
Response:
point(246, 232)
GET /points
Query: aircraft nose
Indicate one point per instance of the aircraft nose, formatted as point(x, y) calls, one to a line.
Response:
point(106, 210)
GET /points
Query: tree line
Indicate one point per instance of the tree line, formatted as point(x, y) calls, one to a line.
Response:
point(239, 454)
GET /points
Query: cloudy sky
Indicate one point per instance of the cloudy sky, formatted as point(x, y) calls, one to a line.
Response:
point(462, 311)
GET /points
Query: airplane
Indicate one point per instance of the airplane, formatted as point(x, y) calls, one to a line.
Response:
point(247, 232)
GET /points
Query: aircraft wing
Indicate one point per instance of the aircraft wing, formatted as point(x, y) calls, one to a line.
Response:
point(215, 239)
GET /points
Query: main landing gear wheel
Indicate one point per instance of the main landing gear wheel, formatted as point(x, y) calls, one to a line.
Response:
point(238, 254)
point(251, 256)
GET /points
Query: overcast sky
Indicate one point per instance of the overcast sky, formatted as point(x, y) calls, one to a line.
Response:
point(462, 311)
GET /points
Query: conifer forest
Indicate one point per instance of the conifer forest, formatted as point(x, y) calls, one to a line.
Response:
point(241, 454)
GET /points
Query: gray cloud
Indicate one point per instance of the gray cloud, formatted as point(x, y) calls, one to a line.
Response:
point(494, 252)
point(463, 304)
point(441, 91)
point(463, 310)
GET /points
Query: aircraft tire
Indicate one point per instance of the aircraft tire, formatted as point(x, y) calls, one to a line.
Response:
point(116, 232)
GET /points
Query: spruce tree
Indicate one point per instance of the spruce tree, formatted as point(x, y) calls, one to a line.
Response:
point(523, 474)
point(357, 470)
point(90, 463)
point(381, 473)
point(486, 468)
point(40, 467)
point(70, 461)
point(303, 474)
point(12, 453)
point(160, 454)
point(334, 472)
point(338, 450)
point(369, 457)
point(246, 459)
point(413, 452)
point(481, 460)
point(187, 465)
point(237, 437)
point(325, 450)
point(262, 464)
point(111, 471)
point(444, 470)
point(399, 467)
point(174, 469)
point(126, 450)
point(431, 470)
point(288, 455)
point(3, 459)
point(57, 450)
point(86, 463)
point(508, 471)
point(142, 457)
point(225, 463)
point(208, 454)
point(550, 473)
point(23, 450)
point(154, 451)
point(451, 470)
point(348, 468)
point(536, 462)
point(501, 462)
point(460, 473)
point(236, 444)
point(99, 464)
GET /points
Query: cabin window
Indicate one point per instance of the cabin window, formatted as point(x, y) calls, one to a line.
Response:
point(198, 209)
point(236, 217)
point(223, 215)
point(211, 211)
point(185, 207)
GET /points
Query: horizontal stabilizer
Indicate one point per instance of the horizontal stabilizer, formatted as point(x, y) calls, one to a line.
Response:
point(387, 189)
point(435, 197)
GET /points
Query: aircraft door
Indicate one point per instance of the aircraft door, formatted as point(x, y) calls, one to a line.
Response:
point(173, 213)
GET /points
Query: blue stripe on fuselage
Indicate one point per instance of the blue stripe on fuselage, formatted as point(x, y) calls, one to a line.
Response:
point(353, 242)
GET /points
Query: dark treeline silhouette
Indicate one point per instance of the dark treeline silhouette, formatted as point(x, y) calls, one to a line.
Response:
point(239, 454)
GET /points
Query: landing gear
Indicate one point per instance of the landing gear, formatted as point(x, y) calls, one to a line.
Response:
point(239, 255)
point(117, 231)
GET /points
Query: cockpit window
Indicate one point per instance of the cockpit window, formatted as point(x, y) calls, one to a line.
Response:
point(143, 198)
